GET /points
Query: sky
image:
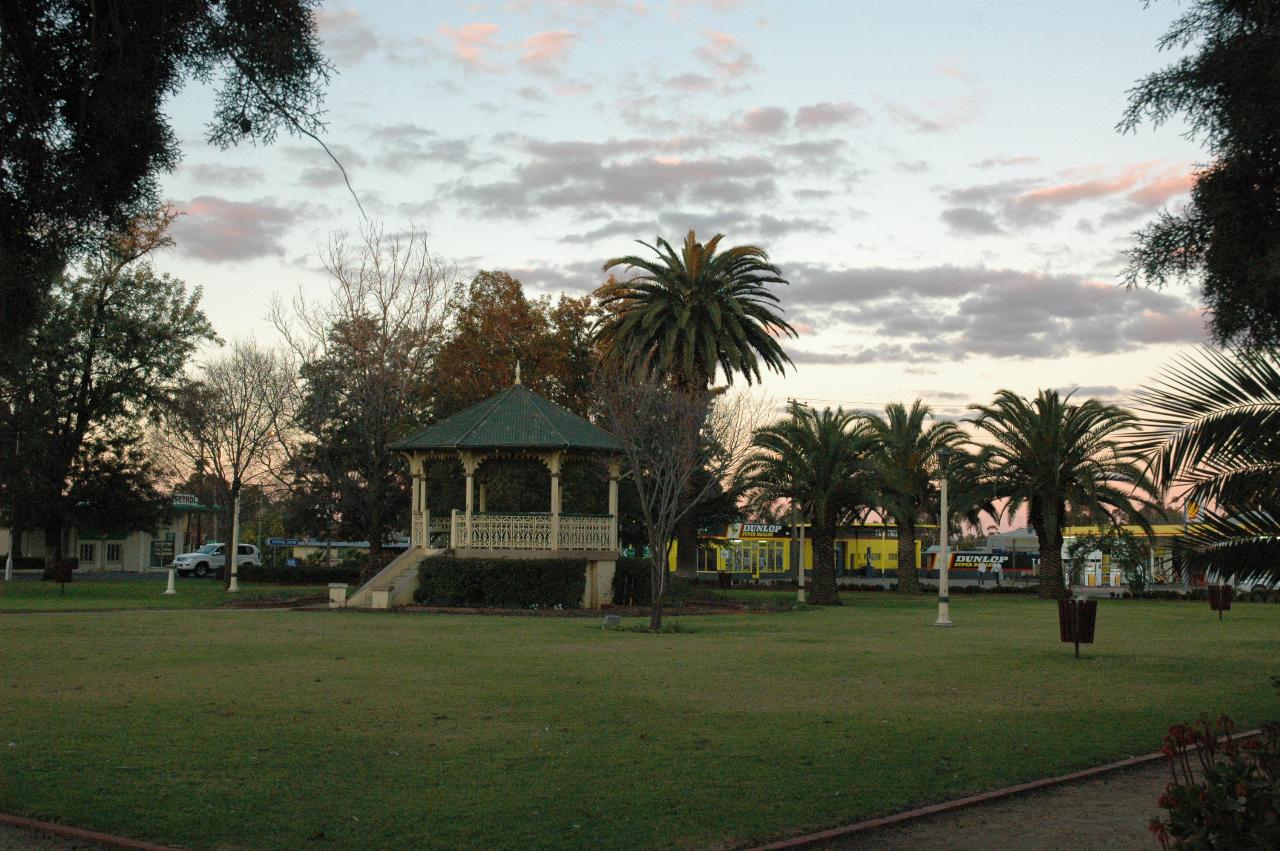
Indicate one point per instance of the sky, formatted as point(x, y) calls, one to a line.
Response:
point(942, 184)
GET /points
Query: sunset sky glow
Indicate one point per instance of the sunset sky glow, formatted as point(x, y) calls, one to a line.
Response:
point(942, 183)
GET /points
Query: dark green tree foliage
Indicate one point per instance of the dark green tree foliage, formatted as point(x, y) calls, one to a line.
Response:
point(1211, 424)
point(107, 355)
point(820, 461)
point(1228, 238)
point(83, 131)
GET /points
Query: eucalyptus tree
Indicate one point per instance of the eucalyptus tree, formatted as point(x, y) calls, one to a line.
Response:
point(906, 465)
point(686, 315)
point(1211, 425)
point(1053, 455)
point(820, 462)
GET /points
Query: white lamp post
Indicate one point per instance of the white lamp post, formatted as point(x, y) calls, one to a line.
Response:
point(944, 601)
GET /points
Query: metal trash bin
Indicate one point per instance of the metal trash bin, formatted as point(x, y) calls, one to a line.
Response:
point(1076, 621)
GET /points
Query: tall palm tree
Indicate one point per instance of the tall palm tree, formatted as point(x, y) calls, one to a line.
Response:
point(685, 314)
point(1211, 423)
point(906, 454)
point(1052, 455)
point(820, 462)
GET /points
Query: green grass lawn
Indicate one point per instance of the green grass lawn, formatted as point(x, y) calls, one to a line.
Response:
point(283, 729)
point(25, 595)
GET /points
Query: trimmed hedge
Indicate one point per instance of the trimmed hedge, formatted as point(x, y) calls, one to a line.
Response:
point(23, 562)
point(632, 582)
point(501, 583)
point(303, 575)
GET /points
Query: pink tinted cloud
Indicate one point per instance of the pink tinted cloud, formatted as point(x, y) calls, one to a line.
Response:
point(217, 230)
point(1062, 194)
point(1160, 190)
point(1180, 327)
point(545, 50)
point(471, 43)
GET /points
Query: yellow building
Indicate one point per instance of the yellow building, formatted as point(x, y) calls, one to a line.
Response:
point(1099, 571)
point(758, 549)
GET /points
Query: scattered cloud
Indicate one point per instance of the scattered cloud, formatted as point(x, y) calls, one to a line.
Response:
point(1130, 191)
point(763, 120)
point(1000, 162)
point(216, 230)
point(971, 220)
point(319, 171)
point(819, 116)
point(946, 116)
point(403, 147)
point(950, 313)
point(223, 176)
point(347, 38)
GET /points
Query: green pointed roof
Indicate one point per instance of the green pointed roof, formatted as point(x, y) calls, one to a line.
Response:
point(516, 418)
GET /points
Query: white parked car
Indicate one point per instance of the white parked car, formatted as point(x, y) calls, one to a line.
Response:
point(209, 559)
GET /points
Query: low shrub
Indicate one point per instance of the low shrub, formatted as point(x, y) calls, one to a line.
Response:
point(1235, 800)
point(501, 583)
point(301, 575)
point(23, 562)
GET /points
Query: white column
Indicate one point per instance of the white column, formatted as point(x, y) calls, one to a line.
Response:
point(615, 473)
point(470, 463)
point(553, 464)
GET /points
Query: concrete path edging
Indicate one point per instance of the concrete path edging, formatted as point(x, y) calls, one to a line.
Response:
point(106, 839)
point(815, 839)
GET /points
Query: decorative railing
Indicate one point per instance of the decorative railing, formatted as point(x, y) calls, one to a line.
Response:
point(586, 532)
point(531, 532)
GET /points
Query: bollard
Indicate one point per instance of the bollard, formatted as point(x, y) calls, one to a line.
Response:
point(172, 573)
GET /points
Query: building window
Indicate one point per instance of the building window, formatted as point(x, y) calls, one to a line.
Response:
point(113, 553)
point(88, 553)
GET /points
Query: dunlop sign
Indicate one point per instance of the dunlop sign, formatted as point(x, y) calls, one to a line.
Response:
point(978, 561)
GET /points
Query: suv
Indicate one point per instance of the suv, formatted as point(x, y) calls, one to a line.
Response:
point(209, 559)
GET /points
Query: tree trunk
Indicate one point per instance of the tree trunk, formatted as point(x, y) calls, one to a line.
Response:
point(374, 536)
point(657, 586)
point(687, 541)
point(822, 588)
point(1049, 535)
point(54, 545)
point(908, 576)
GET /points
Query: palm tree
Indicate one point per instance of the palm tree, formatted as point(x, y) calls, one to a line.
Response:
point(906, 464)
point(1052, 456)
point(684, 315)
point(1211, 424)
point(820, 462)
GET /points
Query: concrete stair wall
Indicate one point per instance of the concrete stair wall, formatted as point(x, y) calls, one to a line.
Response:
point(399, 579)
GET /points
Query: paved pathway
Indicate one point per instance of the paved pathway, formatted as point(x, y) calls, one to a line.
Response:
point(1101, 814)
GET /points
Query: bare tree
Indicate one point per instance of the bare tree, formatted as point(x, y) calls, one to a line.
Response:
point(236, 418)
point(363, 357)
point(668, 437)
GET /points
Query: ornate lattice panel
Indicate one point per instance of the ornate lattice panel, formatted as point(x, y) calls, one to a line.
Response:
point(586, 533)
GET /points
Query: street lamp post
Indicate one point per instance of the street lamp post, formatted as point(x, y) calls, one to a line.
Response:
point(944, 601)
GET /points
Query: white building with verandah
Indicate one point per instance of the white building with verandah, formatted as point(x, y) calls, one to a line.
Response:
point(515, 424)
